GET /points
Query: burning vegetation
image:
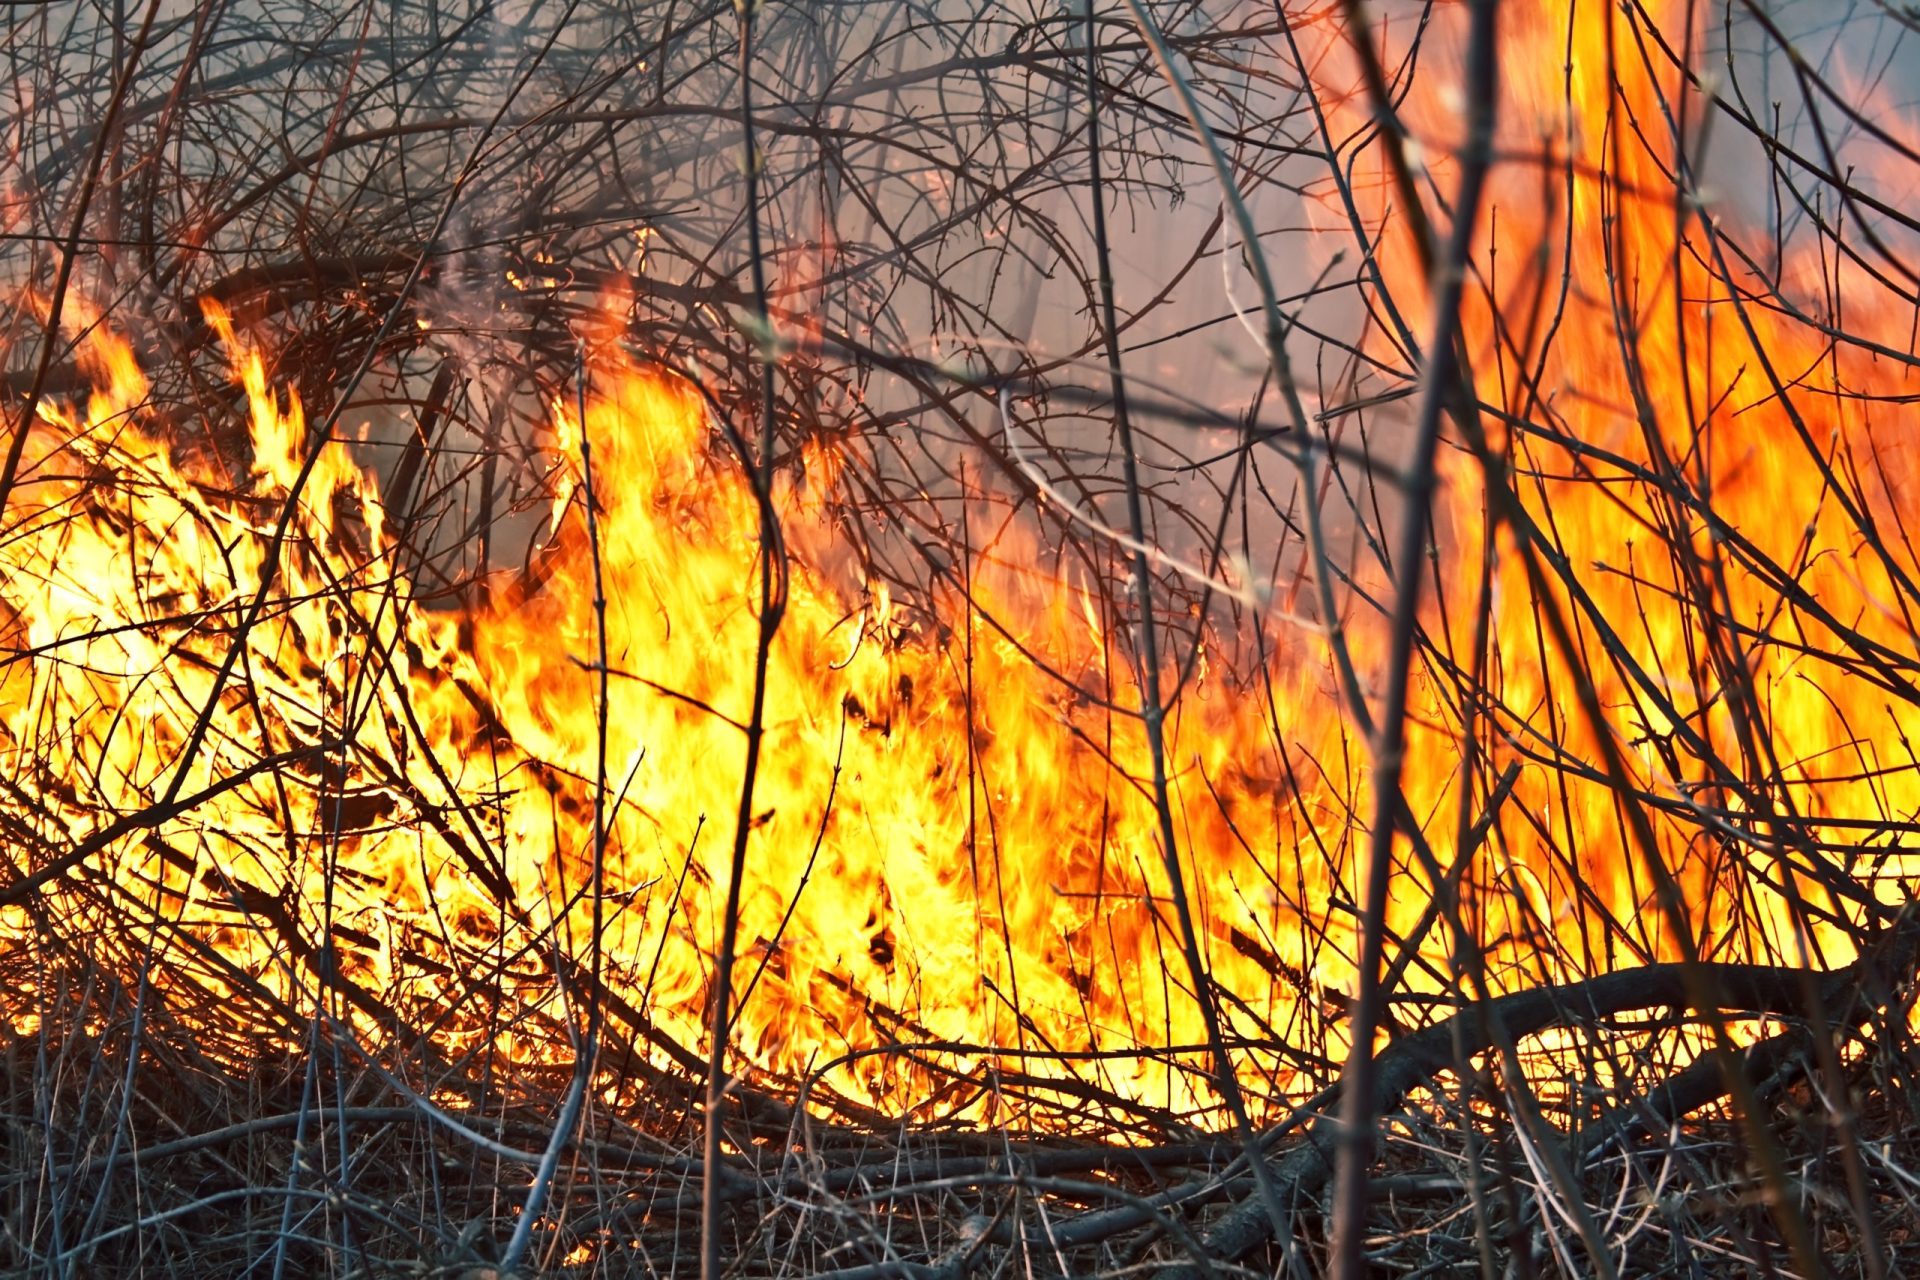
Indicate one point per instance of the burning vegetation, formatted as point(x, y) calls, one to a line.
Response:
point(950, 641)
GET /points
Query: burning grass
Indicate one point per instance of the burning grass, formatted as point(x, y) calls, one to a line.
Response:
point(663, 740)
point(318, 1161)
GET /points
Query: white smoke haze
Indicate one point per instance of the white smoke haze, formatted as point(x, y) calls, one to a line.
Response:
point(922, 196)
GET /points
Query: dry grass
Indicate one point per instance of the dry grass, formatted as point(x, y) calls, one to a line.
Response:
point(185, 1123)
point(182, 1166)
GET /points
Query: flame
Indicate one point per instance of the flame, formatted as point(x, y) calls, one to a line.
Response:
point(953, 845)
point(1745, 404)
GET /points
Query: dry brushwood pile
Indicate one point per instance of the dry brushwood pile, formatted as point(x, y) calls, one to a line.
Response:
point(939, 641)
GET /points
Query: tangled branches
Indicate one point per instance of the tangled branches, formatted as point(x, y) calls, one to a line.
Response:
point(1197, 560)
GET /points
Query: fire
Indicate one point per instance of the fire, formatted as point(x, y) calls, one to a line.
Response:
point(953, 844)
point(1712, 453)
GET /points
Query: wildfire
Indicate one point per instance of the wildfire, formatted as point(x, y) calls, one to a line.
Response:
point(953, 846)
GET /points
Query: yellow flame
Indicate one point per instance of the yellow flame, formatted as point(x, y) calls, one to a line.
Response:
point(950, 845)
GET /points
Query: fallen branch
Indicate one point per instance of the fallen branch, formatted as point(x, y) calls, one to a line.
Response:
point(1413, 1060)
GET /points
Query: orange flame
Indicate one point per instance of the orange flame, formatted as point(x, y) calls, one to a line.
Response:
point(951, 846)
